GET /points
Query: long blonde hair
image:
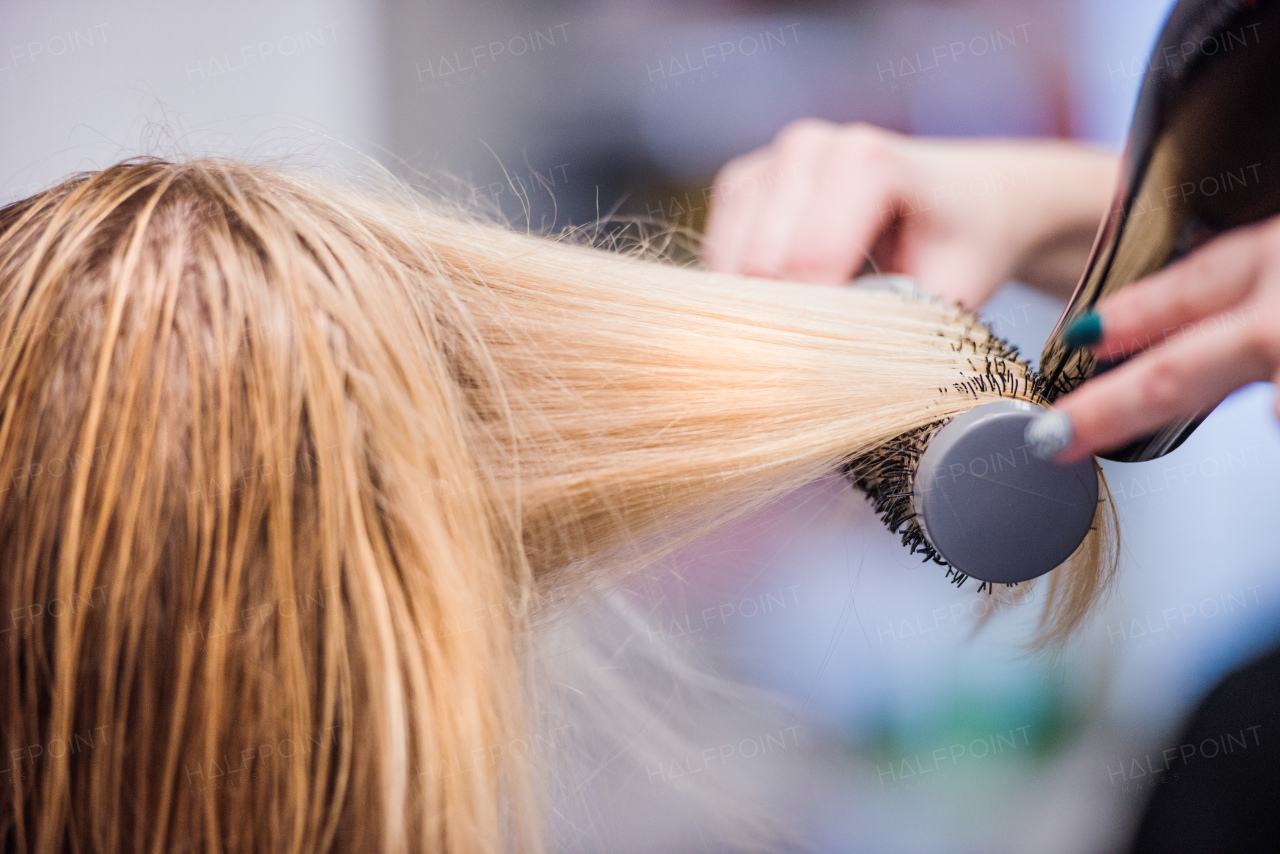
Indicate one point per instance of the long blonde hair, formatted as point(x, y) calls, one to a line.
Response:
point(291, 473)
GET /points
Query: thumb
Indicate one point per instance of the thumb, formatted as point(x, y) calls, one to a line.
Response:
point(954, 272)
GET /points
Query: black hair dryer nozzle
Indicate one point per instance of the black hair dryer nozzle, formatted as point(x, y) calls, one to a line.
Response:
point(1201, 159)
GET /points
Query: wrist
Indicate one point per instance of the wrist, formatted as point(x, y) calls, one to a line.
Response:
point(1056, 219)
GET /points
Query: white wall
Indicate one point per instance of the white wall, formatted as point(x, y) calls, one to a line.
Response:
point(82, 83)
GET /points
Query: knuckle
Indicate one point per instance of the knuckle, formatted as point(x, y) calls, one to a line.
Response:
point(866, 130)
point(735, 170)
point(1258, 335)
point(1179, 300)
point(1163, 387)
point(1269, 246)
point(876, 157)
point(868, 142)
point(734, 183)
point(802, 135)
point(1269, 229)
point(1200, 268)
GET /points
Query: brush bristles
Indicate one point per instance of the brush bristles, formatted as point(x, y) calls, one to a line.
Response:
point(887, 473)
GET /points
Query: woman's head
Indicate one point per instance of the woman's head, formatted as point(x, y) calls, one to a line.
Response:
point(289, 473)
point(245, 538)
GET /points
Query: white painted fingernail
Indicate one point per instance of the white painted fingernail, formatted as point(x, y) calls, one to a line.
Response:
point(1048, 433)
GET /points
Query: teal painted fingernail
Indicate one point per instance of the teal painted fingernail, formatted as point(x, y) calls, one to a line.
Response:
point(1048, 433)
point(1084, 331)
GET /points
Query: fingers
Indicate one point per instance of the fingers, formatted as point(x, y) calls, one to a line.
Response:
point(956, 274)
point(1186, 377)
point(734, 197)
point(1215, 318)
point(851, 205)
point(1211, 280)
point(800, 148)
point(818, 200)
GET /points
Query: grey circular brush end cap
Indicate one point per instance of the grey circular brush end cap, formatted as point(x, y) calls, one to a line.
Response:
point(993, 510)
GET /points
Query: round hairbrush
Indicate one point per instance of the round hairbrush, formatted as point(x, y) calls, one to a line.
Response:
point(966, 492)
point(990, 508)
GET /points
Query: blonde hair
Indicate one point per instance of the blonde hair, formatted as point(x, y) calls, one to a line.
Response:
point(292, 472)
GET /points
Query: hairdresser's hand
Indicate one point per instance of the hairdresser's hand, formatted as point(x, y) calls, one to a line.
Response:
point(1206, 325)
point(961, 217)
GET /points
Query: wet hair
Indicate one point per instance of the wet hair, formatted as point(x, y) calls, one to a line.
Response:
point(293, 474)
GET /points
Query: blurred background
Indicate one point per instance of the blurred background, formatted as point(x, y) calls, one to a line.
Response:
point(901, 731)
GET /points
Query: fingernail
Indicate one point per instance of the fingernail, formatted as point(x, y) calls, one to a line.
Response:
point(1084, 331)
point(1048, 433)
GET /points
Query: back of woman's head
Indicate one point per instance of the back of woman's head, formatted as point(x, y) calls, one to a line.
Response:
point(250, 576)
point(289, 472)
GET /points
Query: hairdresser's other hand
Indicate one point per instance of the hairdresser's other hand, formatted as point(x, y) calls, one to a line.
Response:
point(1206, 326)
point(960, 216)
